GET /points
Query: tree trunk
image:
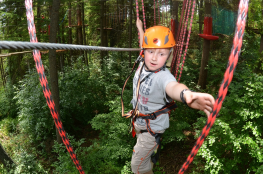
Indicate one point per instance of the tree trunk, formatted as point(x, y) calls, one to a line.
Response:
point(39, 20)
point(52, 58)
point(84, 33)
point(206, 51)
point(102, 33)
point(69, 32)
point(201, 16)
point(2, 71)
point(130, 31)
point(5, 159)
point(79, 28)
point(62, 41)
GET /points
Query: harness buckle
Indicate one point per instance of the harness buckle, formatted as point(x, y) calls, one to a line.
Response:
point(140, 57)
point(152, 116)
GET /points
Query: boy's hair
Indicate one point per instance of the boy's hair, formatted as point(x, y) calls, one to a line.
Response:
point(158, 37)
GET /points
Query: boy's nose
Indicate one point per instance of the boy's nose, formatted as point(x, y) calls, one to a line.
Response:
point(154, 57)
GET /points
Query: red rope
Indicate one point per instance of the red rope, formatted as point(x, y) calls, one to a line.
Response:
point(165, 21)
point(144, 19)
point(233, 59)
point(44, 84)
point(138, 16)
point(162, 14)
point(154, 12)
point(181, 43)
point(158, 12)
point(188, 37)
point(177, 39)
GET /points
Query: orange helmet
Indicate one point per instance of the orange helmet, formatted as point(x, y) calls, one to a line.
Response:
point(158, 37)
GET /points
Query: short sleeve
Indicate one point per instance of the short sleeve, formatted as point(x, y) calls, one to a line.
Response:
point(164, 79)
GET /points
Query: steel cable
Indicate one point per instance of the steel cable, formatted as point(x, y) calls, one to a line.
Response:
point(57, 46)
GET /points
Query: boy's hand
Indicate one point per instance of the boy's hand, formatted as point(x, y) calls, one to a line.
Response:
point(200, 101)
point(139, 24)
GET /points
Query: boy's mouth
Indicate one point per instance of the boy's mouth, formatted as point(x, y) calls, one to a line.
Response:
point(153, 64)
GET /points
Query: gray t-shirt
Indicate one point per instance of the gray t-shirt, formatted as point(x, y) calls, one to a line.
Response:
point(152, 96)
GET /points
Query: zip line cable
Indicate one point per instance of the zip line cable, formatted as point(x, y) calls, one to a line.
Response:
point(57, 46)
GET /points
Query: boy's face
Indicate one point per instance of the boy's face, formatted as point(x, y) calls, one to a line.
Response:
point(155, 57)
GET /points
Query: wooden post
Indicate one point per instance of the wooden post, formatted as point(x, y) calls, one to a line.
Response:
point(206, 51)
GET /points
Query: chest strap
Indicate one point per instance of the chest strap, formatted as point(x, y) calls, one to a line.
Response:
point(166, 109)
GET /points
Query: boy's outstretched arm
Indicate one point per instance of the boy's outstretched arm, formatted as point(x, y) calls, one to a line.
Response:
point(140, 29)
point(195, 100)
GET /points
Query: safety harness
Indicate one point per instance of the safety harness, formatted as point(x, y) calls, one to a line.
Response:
point(135, 113)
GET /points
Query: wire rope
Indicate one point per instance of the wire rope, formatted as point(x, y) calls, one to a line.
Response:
point(57, 46)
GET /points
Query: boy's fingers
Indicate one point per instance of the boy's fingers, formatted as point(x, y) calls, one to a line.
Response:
point(207, 113)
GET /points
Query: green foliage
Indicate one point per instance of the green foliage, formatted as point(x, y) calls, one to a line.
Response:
point(8, 106)
point(235, 139)
point(81, 96)
point(26, 164)
point(91, 159)
point(34, 115)
point(4, 103)
point(8, 125)
point(115, 142)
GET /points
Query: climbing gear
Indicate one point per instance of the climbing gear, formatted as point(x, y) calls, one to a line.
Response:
point(165, 109)
point(133, 114)
point(158, 37)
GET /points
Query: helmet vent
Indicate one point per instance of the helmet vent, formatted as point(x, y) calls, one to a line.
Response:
point(145, 40)
point(166, 39)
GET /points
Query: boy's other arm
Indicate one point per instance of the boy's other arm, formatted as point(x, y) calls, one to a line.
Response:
point(140, 29)
point(195, 100)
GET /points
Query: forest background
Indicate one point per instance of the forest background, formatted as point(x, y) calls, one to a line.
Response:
point(86, 86)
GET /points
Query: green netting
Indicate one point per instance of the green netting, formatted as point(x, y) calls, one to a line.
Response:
point(224, 21)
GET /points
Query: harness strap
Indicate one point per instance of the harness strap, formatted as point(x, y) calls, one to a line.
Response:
point(135, 110)
point(167, 108)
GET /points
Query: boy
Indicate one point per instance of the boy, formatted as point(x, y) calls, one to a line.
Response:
point(157, 88)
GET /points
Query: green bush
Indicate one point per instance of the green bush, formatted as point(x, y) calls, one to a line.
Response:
point(8, 106)
point(235, 141)
point(34, 115)
point(8, 125)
